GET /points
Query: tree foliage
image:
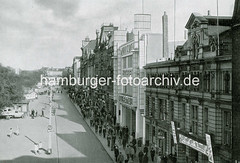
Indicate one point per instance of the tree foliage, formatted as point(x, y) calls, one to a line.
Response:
point(10, 87)
point(30, 78)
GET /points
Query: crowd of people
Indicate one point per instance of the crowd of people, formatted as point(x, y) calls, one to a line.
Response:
point(119, 139)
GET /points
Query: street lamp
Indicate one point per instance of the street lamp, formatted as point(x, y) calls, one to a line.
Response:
point(50, 125)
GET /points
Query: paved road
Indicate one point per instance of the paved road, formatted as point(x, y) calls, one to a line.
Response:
point(75, 139)
point(72, 139)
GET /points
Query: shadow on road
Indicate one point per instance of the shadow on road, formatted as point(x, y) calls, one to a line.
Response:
point(30, 139)
point(31, 159)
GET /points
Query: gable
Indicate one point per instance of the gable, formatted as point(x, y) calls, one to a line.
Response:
point(195, 20)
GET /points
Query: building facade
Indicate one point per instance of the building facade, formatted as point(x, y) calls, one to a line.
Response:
point(140, 47)
point(76, 66)
point(195, 110)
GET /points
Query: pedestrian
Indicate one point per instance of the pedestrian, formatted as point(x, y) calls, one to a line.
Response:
point(10, 133)
point(36, 113)
point(164, 159)
point(32, 114)
point(132, 152)
point(145, 158)
point(128, 152)
point(96, 127)
point(131, 138)
point(116, 152)
point(120, 158)
point(104, 131)
point(159, 158)
point(113, 139)
point(40, 146)
point(124, 142)
point(140, 156)
point(120, 133)
point(145, 149)
point(17, 131)
point(100, 129)
point(36, 149)
point(134, 144)
point(117, 128)
point(152, 152)
point(42, 112)
point(108, 139)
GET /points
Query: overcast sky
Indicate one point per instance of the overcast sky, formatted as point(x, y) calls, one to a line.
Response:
point(37, 33)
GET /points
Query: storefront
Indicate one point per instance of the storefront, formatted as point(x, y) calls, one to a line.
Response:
point(127, 113)
point(192, 150)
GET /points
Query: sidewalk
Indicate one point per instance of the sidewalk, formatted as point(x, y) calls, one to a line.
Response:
point(104, 142)
point(100, 138)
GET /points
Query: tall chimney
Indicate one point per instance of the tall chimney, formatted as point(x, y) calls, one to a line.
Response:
point(208, 13)
point(165, 35)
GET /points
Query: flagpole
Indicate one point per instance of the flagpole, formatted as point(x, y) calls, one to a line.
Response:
point(217, 31)
point(174, 32)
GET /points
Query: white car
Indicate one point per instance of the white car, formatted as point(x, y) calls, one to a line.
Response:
point(9, 113)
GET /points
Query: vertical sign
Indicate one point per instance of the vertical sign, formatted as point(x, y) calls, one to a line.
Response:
point(174, 132)
point(209, 147)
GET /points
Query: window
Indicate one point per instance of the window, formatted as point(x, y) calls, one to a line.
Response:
point(227, 82)
point(183, 116)
point(227, 128)
point(161, 109)
point(147, 106)
point(127, 89)
point(194, 119)
point(165, 109)
point(153, 107)
point(172, 110)
point(205, 120)
point(125, 62)
point(207, 81)
point(130, 61)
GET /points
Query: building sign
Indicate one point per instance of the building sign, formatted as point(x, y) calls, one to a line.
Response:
point(209, 148)
point(126, 99)
point(174, 132)
point(193, 144)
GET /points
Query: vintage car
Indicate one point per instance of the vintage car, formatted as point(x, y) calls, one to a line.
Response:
point(12, 113)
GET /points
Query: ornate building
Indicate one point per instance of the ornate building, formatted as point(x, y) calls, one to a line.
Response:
point(194, 110)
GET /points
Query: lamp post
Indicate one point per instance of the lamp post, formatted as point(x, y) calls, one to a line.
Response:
point(50, 125)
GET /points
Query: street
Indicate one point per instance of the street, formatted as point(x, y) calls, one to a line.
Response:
point(72, 139)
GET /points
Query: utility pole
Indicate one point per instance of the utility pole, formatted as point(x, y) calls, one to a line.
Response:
point(50, 124)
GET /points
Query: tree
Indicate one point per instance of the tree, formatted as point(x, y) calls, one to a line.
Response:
point(10, 88)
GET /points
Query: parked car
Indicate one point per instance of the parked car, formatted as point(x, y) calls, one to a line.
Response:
point(12, 113)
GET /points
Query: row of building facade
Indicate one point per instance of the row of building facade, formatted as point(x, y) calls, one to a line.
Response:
point(173, 119)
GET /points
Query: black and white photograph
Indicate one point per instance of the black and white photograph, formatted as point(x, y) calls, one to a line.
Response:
point(119, 81)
